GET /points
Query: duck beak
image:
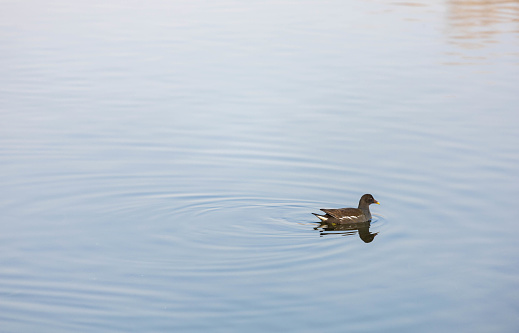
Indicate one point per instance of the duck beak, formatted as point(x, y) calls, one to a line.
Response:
point(378, 203)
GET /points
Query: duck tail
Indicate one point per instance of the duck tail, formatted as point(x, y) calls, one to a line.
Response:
point(321, 217)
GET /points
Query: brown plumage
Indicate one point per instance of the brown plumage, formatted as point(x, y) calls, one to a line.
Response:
point(349, 215)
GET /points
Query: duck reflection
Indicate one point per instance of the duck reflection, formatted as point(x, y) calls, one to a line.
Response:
point(334, 227)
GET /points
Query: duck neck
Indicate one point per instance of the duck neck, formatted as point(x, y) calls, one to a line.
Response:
point(364, 207)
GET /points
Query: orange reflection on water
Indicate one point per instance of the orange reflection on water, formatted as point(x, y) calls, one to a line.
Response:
point(476, 23)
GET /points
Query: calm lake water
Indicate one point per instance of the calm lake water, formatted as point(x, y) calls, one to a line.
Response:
point(160, 161)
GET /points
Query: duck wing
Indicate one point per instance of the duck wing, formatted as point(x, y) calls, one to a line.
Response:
point(345, 213)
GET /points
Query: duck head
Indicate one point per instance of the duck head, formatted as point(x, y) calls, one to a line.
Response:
point(367, 199)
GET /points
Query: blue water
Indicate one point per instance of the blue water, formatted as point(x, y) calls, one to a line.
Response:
point(160, 161)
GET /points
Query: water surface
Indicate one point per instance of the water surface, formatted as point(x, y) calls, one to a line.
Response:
point(160, 161)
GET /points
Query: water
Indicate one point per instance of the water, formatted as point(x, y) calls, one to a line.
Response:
point(160, 161)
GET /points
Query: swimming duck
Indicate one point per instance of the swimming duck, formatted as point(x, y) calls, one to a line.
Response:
point(350, 215)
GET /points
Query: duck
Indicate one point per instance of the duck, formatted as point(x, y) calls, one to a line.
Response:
point(350, 215)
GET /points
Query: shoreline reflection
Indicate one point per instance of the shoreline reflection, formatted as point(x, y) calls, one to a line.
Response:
point(477, 23)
